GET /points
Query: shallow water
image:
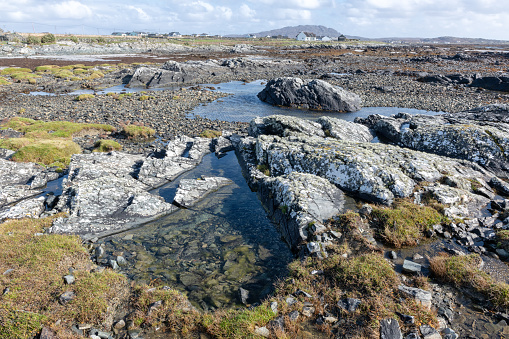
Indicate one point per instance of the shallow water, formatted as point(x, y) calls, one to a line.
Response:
point(210, 250)
point(244, 105)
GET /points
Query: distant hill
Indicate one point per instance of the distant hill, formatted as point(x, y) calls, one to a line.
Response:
point(293, 31)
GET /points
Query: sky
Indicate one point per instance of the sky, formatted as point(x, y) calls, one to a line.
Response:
point(368, 18)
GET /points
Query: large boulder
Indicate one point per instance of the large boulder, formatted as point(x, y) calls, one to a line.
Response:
point(314, 94)
point(499, 83)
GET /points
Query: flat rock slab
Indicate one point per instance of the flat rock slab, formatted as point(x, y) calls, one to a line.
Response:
point(422, 296)
point(14, 193)
point(411, 267)
point(389, 329)
point(17, 173)
point(31, 208)
point(190, 191)
point(314, 94)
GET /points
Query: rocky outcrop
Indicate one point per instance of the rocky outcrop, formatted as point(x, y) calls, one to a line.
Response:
point(475, 136)
point(315, 94)
point(31, 208)
point(299, 203)
point(345, 130)
point(108, 192)
point(498, 83)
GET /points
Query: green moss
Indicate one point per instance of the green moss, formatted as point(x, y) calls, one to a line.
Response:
point(405, 223)
point(264, 169)
point(145, 97)
point(95, 75)
point(4, 81)
point(63, 74)
point(46, 68)
point(82, 97)
point(19, 324)
point(107, 146)
point(210, 134)
point(138, 132)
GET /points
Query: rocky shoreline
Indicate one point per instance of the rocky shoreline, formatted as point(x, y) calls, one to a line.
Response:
point(449, 169)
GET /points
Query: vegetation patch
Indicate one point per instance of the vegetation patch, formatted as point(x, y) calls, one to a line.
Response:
point(49, 143)
point(107, 146)
point(138, 132)
point(48, 39)
point(405, 223)
point(39, 264)
point(210, 134)
point(464, 271)
point(83, 97)
point(4, 81)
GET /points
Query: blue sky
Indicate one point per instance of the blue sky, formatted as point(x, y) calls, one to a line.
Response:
point(369, 18)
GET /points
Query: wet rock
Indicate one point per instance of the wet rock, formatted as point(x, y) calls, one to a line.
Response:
point(411, 267)
point(190, 191)
point(421, 296)
point(41, 179)
point(450, 334)
point(315, 94)
point(389, 329)
point(349, 304)
point(297, 201)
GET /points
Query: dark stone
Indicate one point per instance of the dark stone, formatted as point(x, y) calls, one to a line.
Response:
point(66, 297)
point(294, 315)
point(277, 324)
point(389, 329)
point(349, 304)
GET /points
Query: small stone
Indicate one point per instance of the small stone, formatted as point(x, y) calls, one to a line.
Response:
point(99, 252)
point(330, 319)
point(304, 293)
point(417, 256)
point(313, 272)
point(389, 329)
point(349, 304)
point(6, 290)
point(308, 311)
point(262, 331)
point(113, 264)
point(429, 332)
point(119, 325)
point(273, 306)
point(66, 297)
point(9, 271)
point(294, 315)
point(121, 260)
point(449, 333)
point(84, 326)
point(366, 210)
point(393, 255)
point(69, 279)
point(46, 333)
point(411, 267)
point(244, 295)
point(290, 301)
point(422, 296)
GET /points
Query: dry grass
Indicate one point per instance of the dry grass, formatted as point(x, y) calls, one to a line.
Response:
point(404, 223)
point(464, 271)
point(138, 132)
point(107, 146)
point(39, 263)
point(210, 134)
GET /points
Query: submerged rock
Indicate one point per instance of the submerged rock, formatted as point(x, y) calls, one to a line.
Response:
point(314, 94)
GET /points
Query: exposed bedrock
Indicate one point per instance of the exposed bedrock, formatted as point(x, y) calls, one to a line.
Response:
point(480, 135)
point(309, 94)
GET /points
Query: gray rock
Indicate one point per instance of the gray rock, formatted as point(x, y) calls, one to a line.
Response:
point(17, 173)
point(66, 297)
point(429, 332)
point(500, 186)
point(113, 264)
point(262, 331)
point(190, 191)
point(349, 304)
point(449, 333)
point(244, 295)
point(308, 311)
point(498, 83)
point(389, 329)
point(345, 130)
point(294, 315)
point(41, 179)
point(31, 208)
point(69, 279)
point(315, 94)
point(411, 267)
point(297, 201)
point(47, 333)
point(283, 126)
point(273, 307)
point(421, 296)
point(14, 193)
point(121, 260)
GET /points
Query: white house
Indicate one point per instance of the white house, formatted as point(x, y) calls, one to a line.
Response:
point(324, 38)
point(306, 36)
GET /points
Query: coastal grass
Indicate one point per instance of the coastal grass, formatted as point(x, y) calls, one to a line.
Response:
point(48, 143)
point(4, 81)
point(464, 271)
point(138, 132)
point(107, 146)
point(404, 223)
point(39, 263)
point(210, 134)
point(83, 97)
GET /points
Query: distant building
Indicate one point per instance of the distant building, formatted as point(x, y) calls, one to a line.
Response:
point(324, 38)
point(174, 34)
point(119, 34)
point(251, 36)
point(306, 36)
point(342, 38)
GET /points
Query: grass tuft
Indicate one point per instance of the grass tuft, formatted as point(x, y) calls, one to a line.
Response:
point(82, 97)
point(107, 146)
point(138, 132)
point(210, 134)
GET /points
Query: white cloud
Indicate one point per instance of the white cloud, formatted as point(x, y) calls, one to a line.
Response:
point(71, 10)
point(140, 13)
point(246, 11)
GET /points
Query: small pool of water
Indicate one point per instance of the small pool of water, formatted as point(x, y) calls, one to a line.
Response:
point(212, 249)
point(244, 106)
